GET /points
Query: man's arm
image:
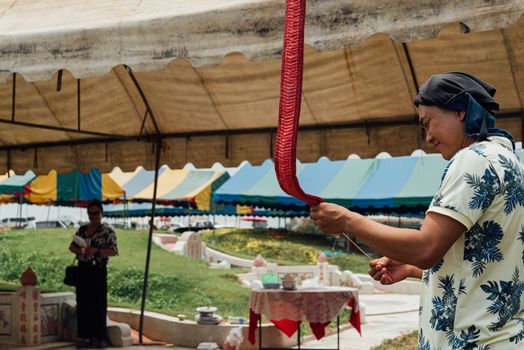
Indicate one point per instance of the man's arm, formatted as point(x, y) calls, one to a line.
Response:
point(422, 248)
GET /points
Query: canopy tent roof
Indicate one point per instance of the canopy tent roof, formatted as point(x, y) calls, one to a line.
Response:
point(144, 209)
point(368, 185)
point(190, 78)
point(72, 189)
point(180, 187)
point(12, 184)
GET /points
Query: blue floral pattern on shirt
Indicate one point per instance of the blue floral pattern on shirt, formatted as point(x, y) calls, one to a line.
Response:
point(423, 344)
point(434, 269)
point(443, 313)
point(482, 188)
point(481, 245)
point(486, 188)
point(505, 298)
point(466, 340)
point(513, 186)
point(521, 238)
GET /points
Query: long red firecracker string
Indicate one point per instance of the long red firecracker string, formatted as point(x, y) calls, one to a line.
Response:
point(289, 108)
point(290, 98)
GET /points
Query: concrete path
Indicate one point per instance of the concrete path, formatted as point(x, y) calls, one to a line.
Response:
point(387, 317)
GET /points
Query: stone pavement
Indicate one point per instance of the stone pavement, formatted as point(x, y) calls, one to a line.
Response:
point(387, 317)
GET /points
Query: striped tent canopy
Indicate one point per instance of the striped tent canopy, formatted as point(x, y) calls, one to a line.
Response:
point(403, 184)
point(189, 188)
point(72, 189)
point(144, 209)
point(11, 185)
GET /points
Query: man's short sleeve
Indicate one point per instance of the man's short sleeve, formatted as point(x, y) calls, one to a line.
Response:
point(469, 186)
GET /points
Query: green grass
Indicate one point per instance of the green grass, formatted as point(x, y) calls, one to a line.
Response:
point(176, 284)
point(285, 248)
point(8, 286)
point(407, 341)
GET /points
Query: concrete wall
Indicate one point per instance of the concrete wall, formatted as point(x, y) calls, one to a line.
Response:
point(50, 317)
point(408, 286)
point(189, 334)
point(51, 305)
point(7, 318)
point(217, 256)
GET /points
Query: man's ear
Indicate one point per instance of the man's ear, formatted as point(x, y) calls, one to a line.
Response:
point(462, 115)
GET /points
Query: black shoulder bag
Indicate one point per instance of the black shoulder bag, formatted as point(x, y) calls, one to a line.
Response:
point(71, 274)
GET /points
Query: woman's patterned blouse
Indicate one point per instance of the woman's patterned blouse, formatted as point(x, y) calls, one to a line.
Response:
point(103, 238)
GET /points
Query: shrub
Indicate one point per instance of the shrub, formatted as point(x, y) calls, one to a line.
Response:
point(49, 271)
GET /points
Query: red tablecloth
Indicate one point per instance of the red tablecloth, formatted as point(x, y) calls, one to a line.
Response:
point(287, 309)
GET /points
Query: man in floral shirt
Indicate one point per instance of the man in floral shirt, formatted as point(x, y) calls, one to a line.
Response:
point(469, 251)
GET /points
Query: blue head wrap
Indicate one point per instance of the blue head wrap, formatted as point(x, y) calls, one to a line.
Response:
point(464, 92)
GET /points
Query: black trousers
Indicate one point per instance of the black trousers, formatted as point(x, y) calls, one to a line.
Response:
point(91, 300)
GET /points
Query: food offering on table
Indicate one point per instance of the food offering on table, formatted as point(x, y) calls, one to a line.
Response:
point(270, 280)
point(206, 315)
point(289, 282)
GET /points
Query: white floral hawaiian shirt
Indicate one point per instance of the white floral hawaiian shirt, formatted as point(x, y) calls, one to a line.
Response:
point(474, 297)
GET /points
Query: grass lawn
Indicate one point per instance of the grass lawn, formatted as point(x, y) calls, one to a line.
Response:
point(285, 248)
point(404, 342)
point(8, 286)
point(176, 284)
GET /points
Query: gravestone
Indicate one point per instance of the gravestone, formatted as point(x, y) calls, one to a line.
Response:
point(194, 245)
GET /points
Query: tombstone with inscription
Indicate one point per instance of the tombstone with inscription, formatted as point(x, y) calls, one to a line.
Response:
point(28, 310)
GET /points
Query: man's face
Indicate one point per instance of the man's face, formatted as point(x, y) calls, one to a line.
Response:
point(444, 129)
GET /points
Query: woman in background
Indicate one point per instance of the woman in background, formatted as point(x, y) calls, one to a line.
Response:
point(93, 244)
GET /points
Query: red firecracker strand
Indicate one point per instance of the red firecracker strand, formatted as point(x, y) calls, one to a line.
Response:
point(290, 98)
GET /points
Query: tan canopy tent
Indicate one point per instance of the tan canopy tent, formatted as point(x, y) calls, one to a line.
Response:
point(204, 76)
point(90, 83)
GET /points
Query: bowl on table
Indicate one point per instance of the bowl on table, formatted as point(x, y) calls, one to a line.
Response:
point(289, 282)
point(270, 280)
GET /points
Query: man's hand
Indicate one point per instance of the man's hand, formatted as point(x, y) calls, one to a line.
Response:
point(331, 218)
point(388, 271)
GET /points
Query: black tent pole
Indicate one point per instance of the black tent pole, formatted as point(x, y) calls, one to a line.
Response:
point(149, 242)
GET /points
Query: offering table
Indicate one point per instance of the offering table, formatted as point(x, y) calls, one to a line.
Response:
point(288, 309)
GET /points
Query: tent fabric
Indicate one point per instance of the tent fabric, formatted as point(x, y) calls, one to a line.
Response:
point(380, 184)
point(176, 187)
point(144, 209)
point(73, 188)
point(210, 75)
point(11, 185)
point(80, 35)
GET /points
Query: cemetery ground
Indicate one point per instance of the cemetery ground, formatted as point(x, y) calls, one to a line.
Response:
point(177, 284)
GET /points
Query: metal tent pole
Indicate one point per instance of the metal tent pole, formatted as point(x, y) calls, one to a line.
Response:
point(149, 242)
point(126, 213)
